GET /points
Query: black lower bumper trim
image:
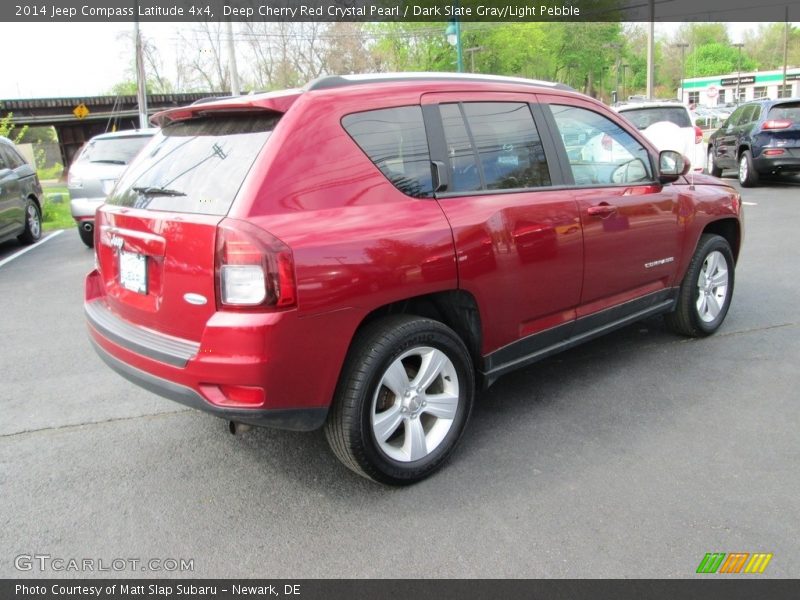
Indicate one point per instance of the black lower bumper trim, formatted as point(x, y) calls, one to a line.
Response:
point(296, 419)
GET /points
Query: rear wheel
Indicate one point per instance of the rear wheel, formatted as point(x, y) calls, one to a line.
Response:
point(33, 224)
point(748, 176)
point(403, 401)
point(87, 237)
point(711, 166)
point(706, 291)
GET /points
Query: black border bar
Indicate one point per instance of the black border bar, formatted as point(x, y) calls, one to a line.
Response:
point(738, 588)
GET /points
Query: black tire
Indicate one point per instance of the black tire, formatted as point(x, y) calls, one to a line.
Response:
point(711, 165)
point(33, 224)
point(377, 347)
point(87, 237)
point(748, 176)
point(687, 318)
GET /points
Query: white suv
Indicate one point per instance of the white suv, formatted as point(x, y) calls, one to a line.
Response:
point(669, 125)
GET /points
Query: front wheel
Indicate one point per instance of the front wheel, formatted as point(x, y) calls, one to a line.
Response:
point(706, 290)
point(403, 400)
point(33, 224)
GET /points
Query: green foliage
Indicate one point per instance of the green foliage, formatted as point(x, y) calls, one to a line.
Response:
point(700, 34)
point(715, 58)
point(53, 172)
point(7, 127)
point(55, 209)
point(407, 46)
point(38, 135)
point(128, 88)
point(765, 45)
point(518, 49)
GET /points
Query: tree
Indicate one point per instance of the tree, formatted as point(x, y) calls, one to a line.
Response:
point(7, 128)
point(765, 45)
point(714, 59)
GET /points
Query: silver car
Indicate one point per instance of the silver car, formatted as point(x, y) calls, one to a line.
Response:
point(95, 171)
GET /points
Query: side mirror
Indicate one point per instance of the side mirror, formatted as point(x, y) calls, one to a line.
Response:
point(672, 165)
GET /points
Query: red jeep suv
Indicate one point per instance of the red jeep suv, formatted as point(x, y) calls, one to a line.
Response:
point(365, 252)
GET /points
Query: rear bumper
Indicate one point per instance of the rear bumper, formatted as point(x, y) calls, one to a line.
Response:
point(300, 419)
point(84, 208)
point(779, 163)
point(272, 368)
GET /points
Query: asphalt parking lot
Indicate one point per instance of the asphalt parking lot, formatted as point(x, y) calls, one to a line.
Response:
point(631, 456)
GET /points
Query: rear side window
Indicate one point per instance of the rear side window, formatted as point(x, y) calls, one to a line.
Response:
point(493, 146)
point(195, 166)
point(646, 116)
point(394, 140)
point(10, 158)
point(789, 111)
point(117, 151)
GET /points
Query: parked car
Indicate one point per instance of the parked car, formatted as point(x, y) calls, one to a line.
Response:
point(365, 253)
point(20, 197)
point(96, 169)
point(669, 125)
point(759, 138)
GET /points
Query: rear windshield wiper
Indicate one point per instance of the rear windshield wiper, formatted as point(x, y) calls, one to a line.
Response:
point(157, 191)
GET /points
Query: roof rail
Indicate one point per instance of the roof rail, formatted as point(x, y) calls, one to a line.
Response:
point(336, 81)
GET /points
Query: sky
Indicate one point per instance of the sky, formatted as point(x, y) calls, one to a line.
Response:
point(86, 59)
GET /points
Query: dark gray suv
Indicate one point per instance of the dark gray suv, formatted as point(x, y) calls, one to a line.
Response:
point(20, 197)
point(759, 138)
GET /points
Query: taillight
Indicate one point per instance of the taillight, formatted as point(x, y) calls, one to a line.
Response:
point(698, 135)
point(254, 269)
point(777, 124)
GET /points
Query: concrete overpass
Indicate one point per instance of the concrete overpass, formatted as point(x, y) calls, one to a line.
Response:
point(105, 113)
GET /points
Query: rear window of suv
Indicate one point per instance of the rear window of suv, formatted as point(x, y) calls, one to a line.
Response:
point(117, 151)
point(195, 166)
point(647, 115)
point(790, 111)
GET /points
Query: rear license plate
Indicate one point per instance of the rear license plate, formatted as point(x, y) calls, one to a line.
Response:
point(133, 272)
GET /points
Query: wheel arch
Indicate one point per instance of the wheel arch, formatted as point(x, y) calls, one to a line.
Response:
point(730, 229)
point(457, 309)
point(740, 150)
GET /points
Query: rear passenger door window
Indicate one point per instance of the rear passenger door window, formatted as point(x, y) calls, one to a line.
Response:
point(394, 140)
point(600, 152)
point(493, 146)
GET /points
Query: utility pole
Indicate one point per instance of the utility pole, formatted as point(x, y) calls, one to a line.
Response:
point(739, 45)
point(785, 53)
point(141, 81)
point(232, 60)
point(651, 50)
point(682, 46)
point(472, 52)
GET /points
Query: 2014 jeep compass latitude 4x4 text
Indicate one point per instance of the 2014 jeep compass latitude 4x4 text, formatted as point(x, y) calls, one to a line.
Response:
point(364, 253)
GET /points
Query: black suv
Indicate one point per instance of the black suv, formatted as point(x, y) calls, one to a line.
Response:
point(759, 138)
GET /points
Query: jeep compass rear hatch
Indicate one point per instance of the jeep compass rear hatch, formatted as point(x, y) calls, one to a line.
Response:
point(156, 236)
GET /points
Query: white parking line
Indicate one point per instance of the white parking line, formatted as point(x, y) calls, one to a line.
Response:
point(750, 203)
point(8, 259)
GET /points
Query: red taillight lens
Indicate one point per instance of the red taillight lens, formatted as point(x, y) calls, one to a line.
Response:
point(240, 396)
point(698, 135)
point(254, 269)
point(777, 124)
point(774, 152)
